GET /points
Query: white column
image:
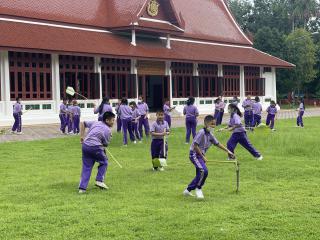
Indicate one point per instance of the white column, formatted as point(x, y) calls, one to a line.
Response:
point(220, 70)
point(5, 82)
point(242, 86)
point(134, 70)
point(196, 74)
point(274, 84)
point(169, 74)
point(55, 81)
point(97, 69)
point(168, 42)
point(133, 38)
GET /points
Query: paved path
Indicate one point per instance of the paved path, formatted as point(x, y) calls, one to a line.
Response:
point(39, 132)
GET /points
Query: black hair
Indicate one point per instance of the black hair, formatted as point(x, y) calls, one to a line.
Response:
point(108, 116)
point(273, 102)
point(257, 99)
point(64, 99)
point(140, 96)
point(133, 103)
point(235, 109)
point(217, 100)
point(105, 100)
point(17, 98)
point(208, 118)
point(160, 110)
point(190, 101)
point(124, 101)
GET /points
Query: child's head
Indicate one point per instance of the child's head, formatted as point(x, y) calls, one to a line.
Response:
point(273, 103)
point(75, 103)
point(249, 97)
point(209, 122)
point(108, 118)
point(257, 99)
point(232, 108)
point(217, 100)
point(105, 100)
point(167, 102)
point(70, 101)
point(64, 101)
point(160, 115)
point(18, 99)
point(124, 101)
point(133, 105)
point(190, 101)
point(140, 99)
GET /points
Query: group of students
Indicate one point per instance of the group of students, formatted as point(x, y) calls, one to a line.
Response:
point(69, 115)
point(99, 136)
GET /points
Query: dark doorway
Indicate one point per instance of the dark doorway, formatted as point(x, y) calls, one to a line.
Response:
point(154, 92)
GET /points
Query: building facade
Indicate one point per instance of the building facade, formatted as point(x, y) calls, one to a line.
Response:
point(161, 49)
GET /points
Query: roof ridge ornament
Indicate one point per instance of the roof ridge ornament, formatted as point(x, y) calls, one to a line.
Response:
point(153, 8)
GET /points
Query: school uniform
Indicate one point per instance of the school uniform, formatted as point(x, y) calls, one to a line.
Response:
point(125, 113)
point(248, 112)
point(98, 137)
point(222, 105)
point(272, 111)
point(257, 109)
point(204, 139)
point(70, 118)
point(143, 121)
point(167, 114)
point(105, 108)
point(157, 149)
point(239, 135)
point(76, 113)
point(63, 117)
point(118, 118)
point(17, 112)
point(216, 111)
point(191, 113)
point(300, 115)
point(135, 123)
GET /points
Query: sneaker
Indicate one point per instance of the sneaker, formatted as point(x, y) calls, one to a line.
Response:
point(199, 193)
point(101, 185)
point(161, 169)
point(187, 193)
point(81, 191)
point(187, 143)
point(140, 141)
point(125, 145)
point(19, 133)
point(135, 142)
point(13, 132)
point(273, 129)
point(260, 158)
point(154, 169)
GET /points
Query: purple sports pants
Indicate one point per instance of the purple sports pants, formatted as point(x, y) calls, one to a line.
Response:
point(127, 126)
point(270, 120)
point(241, 137)
point(145, 123)
point(191, 125)
point(17, 122)
point(201, 172)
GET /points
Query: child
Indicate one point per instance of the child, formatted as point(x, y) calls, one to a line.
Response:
point(135, 120)
point(98, 137)
point(118, 117)
point(125, 113)
point(70, 116)
point(63, 116)
point(257, 109)
point(216, 108)
point(103, 107)
point(222, 105)
point(301, 110)
point(248, 113)
point(272, 112)
point(167, 112)
point(159, 129)
point(143, 121)
point(76, 113)
point(17, 113)
point(191, 113)
point(239, 134)
point(200, 145)
point(235, 101)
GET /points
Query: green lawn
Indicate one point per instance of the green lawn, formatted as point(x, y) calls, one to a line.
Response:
point(278, 199)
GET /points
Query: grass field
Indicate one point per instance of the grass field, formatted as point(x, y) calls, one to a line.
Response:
point(278, 199)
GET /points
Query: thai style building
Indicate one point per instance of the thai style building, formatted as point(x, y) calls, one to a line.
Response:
point(161, 49)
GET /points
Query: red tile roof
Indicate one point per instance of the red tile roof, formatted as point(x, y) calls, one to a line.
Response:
point(45, 38)
point(209, 20)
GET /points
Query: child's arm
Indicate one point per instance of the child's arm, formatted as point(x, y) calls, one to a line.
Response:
point(199, 152)
point(226, 150)
point(158, 134)
point(82, 131)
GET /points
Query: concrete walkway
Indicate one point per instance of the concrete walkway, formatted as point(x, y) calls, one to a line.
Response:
point(39, 132)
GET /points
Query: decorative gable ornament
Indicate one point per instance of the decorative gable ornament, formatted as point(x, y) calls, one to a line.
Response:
point(153, 8)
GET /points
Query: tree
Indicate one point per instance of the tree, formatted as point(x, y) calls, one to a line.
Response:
point(242, 11)
point(302, 52)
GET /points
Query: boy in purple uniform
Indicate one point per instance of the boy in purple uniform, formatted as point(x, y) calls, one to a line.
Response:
point(118, 117)
point(135, 120)
point(70, 116)
point(239, 134)
point(63, 116)
point(200, 145)
point(97, 138)
point(103, 107)
point(76, 113)
point(125, 113)
point(222, 105)
point(248, 113)
point(300, 113)
point(216, 108)
point(143, 121)
point(257, 109)
point(191, 112)
point(159, 129)
point(272, 112)
point(167, 112)
point(17, 112)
